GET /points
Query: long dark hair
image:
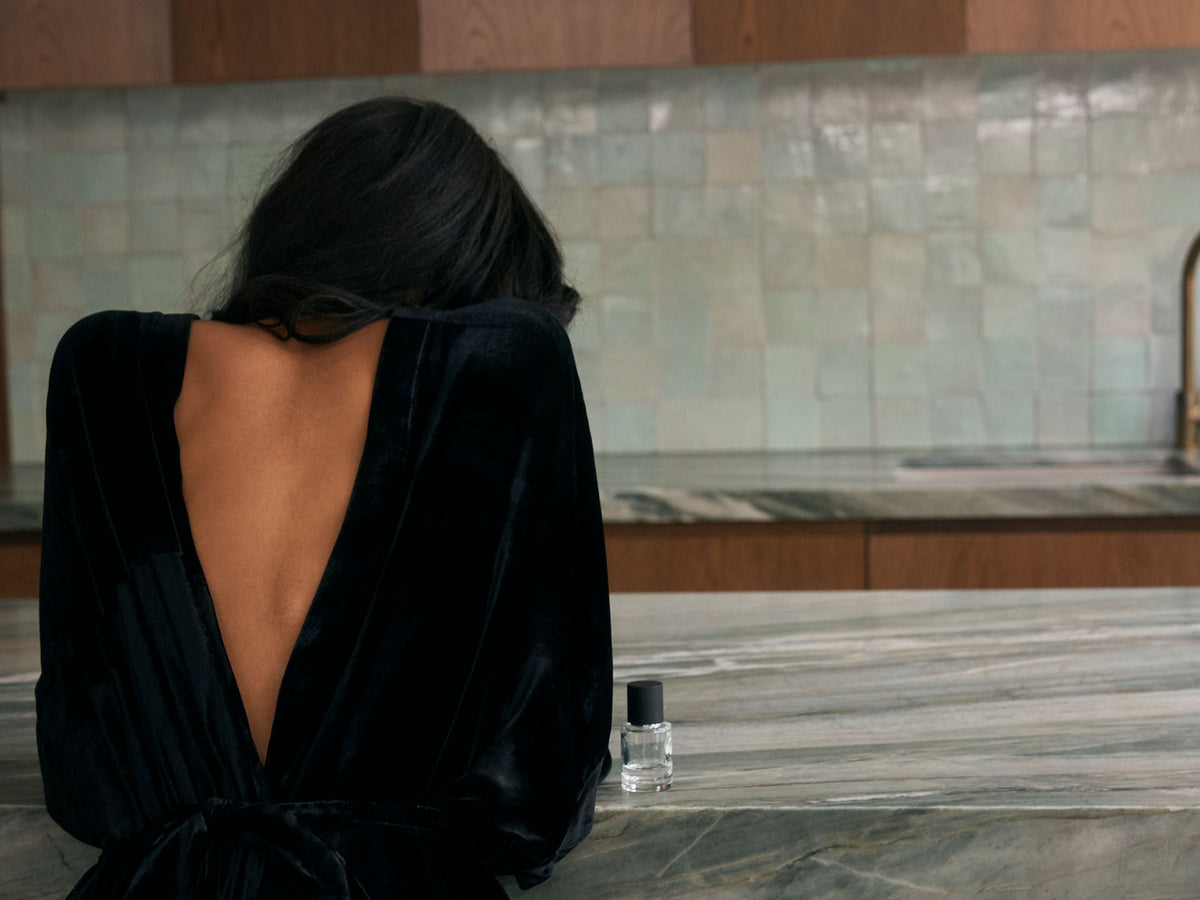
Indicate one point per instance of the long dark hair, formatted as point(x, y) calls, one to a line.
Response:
point(389, 203)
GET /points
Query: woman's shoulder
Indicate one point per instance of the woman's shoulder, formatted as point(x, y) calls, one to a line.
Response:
point(509, 337)
point(102, 345)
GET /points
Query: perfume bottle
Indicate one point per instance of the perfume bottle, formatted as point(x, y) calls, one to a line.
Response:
point(645, 740)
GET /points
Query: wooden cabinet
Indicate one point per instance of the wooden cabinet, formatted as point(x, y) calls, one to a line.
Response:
point(1023, 26)
point(240, 40)
point(744, 31)
point(760, 556)
point(1026, 26)
point(57, 43)
point(478, 35)
point(978, 554)
point(1159, 552)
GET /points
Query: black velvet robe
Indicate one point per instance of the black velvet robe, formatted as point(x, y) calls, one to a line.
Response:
point(445, 712)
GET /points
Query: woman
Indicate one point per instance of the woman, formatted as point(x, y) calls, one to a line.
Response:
point(323, 602)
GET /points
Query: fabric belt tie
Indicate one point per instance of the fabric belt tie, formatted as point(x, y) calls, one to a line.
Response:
point(177, 848)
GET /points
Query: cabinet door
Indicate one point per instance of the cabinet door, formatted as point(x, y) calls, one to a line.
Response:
point(239, 40)
point(734, 31)
point(1034, 554)
point(1026, 26)
point(1132, 24)
point(736, 556)
point(477, 35)
point(68, 43)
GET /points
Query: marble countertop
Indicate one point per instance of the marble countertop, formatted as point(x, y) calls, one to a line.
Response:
point(847, 744)
point(849, 485)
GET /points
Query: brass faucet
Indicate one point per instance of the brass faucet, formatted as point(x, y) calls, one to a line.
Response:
point(1189, 403)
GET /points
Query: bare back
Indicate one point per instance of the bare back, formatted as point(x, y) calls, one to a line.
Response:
point(271, 436)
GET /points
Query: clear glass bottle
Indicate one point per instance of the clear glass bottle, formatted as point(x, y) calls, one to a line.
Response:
point(646, 740)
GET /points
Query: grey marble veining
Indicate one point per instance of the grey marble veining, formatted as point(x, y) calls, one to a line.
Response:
point(845, 744)
point(879, 485)
point(864, 485)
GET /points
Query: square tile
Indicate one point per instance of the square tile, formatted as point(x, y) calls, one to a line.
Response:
point(733, 157)
point(787, 157)
point(845, 422)
point(840, 206)
point(569, 103)
point(1008, 202)
point(629, 428)
point(1061, 146)
point(1010, 366)
point(842, 261)
point(896, 148)
point(841, 151)
point(953, 259)
point(1006, 85)
point(1008, 420)
point(895, 90)
point(951, 87)
point(902, 423)
point(897, 315)
point(624, 213)
point(736, 372)
point(791, 371)
point(951, 202)
point(839, 93)
point(1120, 419)
point(1173, 143)
point(950, 148)
point(623, 101)
point(1065, 202)
point(737, 320)
point(1119, 146)
point(624, 159)
point(789, 208)
point(1009, 257)
point(788, 262)
point(1005, 146)
point(1119, 364)
point(1063, 419)
point(956, 420)
point(897, 204)
point(676, 101)
point(898, 261)
point(793, 423)
point(679, 158)
point(790, 316)
point(1009, 311)
point(784, 98)
point(730, 97)
point(626, 268)
point(955, 366)
point(899, 369)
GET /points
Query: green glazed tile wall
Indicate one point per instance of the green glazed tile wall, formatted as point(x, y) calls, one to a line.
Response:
point(892, 253)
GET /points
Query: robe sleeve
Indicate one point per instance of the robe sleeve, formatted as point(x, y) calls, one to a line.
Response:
point(537, 711)
point(80, 760)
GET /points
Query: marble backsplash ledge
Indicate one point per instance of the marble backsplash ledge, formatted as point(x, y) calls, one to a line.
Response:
point(882, 254)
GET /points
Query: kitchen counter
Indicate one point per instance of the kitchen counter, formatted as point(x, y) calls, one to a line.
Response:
point(881, 744)
point(851, 485)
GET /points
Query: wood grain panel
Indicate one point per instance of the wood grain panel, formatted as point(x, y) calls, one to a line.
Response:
point(770, 556)
point(20, 561)
point(236, 40)
point(1050, 553)
point(60, 43)
point(1133, 24)
point(725, 31)
point(773, 30)
point(478, 35)
point(5, 433)
point(1026, 26)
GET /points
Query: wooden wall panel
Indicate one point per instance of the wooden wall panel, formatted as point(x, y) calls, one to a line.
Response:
point(1026, 26)
point(238, 40)
point(476, 35)
point(1050, 553)
point(1133, 24)
point(725, 31)
point(20, 561)
point(5, 433)
point(769, 556)
point(771, 30)
point(68, 43)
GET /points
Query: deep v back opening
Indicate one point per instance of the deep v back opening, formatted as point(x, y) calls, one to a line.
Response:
point(237, 698)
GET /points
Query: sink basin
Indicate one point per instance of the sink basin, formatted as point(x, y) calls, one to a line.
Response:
point(1039, 470)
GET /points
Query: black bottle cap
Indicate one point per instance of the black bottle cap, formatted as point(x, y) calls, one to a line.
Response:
point(645, 702)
